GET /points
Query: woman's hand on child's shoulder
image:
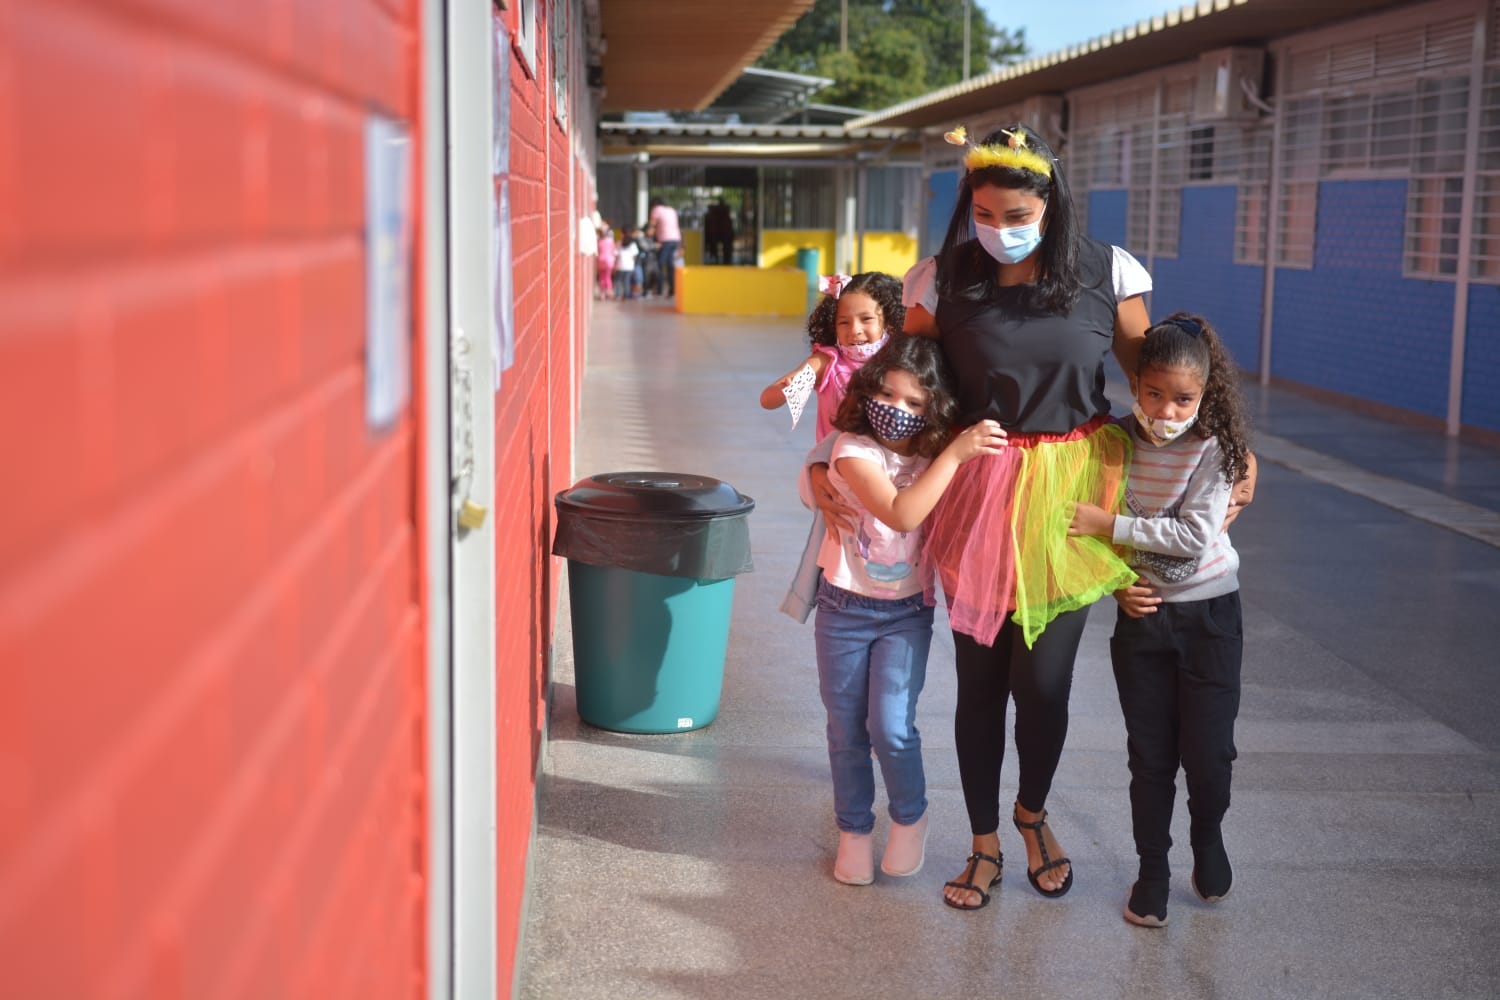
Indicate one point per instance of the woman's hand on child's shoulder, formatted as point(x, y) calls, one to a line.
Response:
point(984, 438)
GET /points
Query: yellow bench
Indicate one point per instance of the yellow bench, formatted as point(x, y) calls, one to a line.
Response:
point(742, 291)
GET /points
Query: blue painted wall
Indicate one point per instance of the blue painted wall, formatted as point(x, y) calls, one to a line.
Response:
point(1107, 216)
point(1203, 277)
point(1353, 324)
point(942, 196)
point(1481, 403)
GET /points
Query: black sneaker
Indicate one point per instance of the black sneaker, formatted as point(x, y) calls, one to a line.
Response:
point(1147, 905)
point(1212, 875)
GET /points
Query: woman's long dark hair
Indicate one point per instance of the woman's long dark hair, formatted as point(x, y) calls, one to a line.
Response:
point(1173, 343)
point(882, 287)
point(924, 359)
point(966, 271)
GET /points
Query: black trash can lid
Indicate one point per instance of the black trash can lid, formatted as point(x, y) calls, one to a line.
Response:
point(672, 496)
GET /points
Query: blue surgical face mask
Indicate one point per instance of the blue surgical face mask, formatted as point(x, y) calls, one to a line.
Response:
point(891, 423)
point(1011, 245)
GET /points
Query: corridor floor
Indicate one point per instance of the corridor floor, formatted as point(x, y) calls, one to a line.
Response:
point(1365, 827)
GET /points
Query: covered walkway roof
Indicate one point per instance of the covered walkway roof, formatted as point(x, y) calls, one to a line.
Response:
point(1173, 36)
point(680, 55)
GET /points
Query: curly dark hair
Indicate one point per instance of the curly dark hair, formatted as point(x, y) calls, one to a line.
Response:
point(924, 359)
point(882, 287)
point(1172, 343)
point(966, 271)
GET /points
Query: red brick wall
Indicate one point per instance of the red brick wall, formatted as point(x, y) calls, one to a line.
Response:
point(534, 439)
point(211, 673)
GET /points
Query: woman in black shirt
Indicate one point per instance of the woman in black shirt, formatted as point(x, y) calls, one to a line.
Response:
point(1026, 309)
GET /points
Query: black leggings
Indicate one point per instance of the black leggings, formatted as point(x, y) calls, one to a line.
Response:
point(1040, 680)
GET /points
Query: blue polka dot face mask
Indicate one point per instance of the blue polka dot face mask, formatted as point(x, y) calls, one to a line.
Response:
point(891, 423)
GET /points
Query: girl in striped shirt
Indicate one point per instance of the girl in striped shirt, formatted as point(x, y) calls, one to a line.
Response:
point(1178, 669)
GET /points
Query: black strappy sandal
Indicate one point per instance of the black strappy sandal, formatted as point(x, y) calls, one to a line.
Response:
point(1047, 863)
point(968, 883)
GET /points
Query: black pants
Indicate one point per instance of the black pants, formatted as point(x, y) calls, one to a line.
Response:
point(1178, 673)
point(1040, 679)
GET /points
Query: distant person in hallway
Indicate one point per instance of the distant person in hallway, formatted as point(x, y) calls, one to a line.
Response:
point(625, 261)
point(668, 239)
point(647, 267)
point(1178, 668)
point(873, 630)
point(606, 261)
point(853, 319)
point(718, 233)
point(1026, 309)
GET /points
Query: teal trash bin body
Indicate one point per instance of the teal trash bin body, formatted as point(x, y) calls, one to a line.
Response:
point(808, 261)
point(652, 558)
point(649, 652)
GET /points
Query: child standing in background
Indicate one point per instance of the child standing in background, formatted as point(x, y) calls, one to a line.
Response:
point(1178, 669)
point(647, 267)
point(874, 626)
point(854, 318)
point(625, 257)
point(606, 260)
point(852, 321)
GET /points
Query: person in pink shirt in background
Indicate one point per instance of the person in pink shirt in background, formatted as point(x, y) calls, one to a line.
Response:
point(606, 261)
point(668, 238)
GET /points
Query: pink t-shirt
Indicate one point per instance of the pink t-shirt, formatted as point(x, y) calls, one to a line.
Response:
point(874, 560)
point(667, 228)
point(832, 386)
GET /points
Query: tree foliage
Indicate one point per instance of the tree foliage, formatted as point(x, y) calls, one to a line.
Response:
point(898, 49)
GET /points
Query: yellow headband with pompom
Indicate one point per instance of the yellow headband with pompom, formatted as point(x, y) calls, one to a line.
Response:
point(1013, 153)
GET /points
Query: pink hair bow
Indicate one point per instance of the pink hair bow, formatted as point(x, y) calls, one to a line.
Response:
point(833, 284)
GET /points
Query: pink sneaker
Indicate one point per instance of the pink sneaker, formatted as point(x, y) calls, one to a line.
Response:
point(906, 848)
point(855, 864)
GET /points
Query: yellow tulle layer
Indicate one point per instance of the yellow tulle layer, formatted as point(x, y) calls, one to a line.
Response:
point(999, 539)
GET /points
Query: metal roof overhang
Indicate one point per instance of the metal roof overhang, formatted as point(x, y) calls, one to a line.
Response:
point(679, 55)
point(718, 142)
point(1167, 38)
point(764, 95)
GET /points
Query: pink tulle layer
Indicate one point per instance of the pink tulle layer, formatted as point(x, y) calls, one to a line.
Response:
point(998, 539)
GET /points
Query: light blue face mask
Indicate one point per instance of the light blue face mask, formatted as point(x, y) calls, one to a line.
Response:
point(1011, 245)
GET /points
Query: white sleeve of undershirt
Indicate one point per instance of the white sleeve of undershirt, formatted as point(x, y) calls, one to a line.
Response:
point(919, 287)
point(1130, 277)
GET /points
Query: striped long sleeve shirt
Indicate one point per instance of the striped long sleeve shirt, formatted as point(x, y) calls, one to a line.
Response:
point(1175, 502)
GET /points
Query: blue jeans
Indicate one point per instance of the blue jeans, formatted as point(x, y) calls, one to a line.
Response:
point(872, 663)
point(667, 255)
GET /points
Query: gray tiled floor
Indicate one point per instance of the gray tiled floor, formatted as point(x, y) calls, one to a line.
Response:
point(1366, 819)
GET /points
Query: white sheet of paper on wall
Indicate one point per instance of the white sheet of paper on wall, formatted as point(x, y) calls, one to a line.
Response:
point(388, 266)
point(798, 390)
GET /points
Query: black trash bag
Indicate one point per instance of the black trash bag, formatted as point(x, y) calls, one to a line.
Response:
point(666, 523)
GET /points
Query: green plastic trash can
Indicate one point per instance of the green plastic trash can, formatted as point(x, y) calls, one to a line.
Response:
point(652, 558)
point(807, 261)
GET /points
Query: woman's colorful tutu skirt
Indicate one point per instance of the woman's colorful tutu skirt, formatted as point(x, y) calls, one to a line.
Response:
point(999, 541)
